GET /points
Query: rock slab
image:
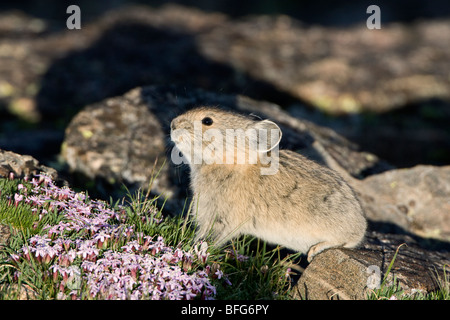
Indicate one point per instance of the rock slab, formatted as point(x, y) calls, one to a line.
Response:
point(344, 274)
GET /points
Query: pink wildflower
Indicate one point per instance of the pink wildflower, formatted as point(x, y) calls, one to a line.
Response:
point(17, 199)
point(201, 252)
point(131, 246)
point(219, 274)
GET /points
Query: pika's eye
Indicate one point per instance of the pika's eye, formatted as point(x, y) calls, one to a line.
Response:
point(207, 121)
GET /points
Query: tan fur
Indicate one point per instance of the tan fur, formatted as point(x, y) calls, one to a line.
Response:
point(304, 206)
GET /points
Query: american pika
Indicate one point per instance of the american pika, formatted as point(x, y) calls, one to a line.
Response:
point(301, 205)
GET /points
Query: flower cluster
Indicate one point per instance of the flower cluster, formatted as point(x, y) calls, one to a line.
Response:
point(89, 254)
point(130, 275)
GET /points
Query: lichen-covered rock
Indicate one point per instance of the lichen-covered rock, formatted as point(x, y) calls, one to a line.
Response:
point(415, 199)
point(119, 140)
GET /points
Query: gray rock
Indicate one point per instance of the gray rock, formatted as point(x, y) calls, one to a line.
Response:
point(119, 140)
point(354, 274)
point(415, 199)
point(22, 166)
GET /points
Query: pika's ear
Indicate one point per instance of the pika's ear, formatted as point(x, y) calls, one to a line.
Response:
point(269, 135)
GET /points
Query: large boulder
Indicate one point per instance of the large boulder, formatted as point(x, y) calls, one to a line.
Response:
point(416, 199)
point(119, 140)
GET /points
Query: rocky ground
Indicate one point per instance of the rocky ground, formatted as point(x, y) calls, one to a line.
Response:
point(373, 105)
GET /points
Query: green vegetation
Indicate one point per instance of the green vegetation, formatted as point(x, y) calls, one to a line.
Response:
point(64, 245)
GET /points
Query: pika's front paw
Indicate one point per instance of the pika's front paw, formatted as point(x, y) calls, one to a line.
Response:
point(318, 248)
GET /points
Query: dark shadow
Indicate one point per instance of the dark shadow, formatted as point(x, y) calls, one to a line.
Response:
point(429, 244)
point(131, 54)
point(418, 133)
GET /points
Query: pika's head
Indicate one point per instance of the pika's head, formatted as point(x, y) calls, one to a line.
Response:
point(213, 136)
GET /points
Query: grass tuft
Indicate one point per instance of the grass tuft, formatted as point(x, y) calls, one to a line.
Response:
point(391, 290)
